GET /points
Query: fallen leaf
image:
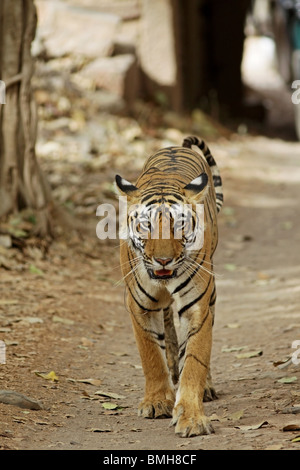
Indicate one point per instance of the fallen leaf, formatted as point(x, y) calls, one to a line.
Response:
point(291, 427)
point(34, 270)
point(32, 320)
point(236, 415)
point(50, 376)
point(230, 267)
point(215, 417)
point(41, 423)
point(253, 426)
point(119, 354)
point(282, 364)
point(110, 406)
point(233, 325)
point(287, 225)
point(296, 439)
point(108, 394)
point(287, 380)
point(99, 430)
point(229, 210)
point(249, 354)
point(95, 382)
point(65, 321)
point(88, 397)
point(17, 419)
point(234, 348)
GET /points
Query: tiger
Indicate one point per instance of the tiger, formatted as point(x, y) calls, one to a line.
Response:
point(161, 270)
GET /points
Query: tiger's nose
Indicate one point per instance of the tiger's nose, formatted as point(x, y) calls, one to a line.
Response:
point(163, 261)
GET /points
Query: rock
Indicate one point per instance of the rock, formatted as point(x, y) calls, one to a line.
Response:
point(127, 38)
point(118, 74)
point(105, 101)
point(10, 397)
point(5, 240)
point(157, 42)
point(86, 32)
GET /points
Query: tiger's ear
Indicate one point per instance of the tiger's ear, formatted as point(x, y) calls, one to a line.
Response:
point(124, 187)
point(197, 188)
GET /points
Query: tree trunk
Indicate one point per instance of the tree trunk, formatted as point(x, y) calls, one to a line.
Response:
point(22, 184)
point(198, 48)
point(209, 49)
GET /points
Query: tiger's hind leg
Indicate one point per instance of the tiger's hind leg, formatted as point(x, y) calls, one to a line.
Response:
point(171, 343)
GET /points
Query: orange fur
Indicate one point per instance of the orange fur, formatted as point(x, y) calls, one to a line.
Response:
point(161, 271)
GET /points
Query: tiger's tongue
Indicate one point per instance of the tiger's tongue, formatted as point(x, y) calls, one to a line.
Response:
point(163, 272)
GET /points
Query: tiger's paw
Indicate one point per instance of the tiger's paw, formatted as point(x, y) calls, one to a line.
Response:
point(191, 423)
point(156, 408)
point(210, 393)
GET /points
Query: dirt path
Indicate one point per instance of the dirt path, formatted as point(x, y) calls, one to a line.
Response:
point(70, 318)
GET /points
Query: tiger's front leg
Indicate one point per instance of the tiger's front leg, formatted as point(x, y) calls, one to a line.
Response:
point(159, 396)
point(194, 354)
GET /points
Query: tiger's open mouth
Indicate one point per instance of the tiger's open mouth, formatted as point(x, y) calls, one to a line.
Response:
point(163, 274)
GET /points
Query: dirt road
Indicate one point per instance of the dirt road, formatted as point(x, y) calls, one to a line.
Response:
point(62, 311)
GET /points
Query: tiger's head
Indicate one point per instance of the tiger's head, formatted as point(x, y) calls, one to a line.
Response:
point(162, 227)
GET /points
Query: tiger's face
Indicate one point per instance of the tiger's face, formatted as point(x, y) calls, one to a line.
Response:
point(162, 232)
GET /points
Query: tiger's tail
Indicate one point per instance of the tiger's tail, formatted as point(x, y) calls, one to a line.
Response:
point(191, 140)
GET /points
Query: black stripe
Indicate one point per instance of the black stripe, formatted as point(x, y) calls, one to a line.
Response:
point(186, 307)
point(144, 292)
point(213, 297)
point(182, 347)
point(182, 353)
point(196, 358)
point(140, 305)
point(158, 336)
point(207, 206)
point(194, 331)
point(154, 201)
point(145, 198)
point(185, 283)
point(137, 281)
point(210, 160)
point(217, 180)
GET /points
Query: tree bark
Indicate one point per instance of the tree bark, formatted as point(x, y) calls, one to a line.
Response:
point(22, 184)
point(206, 52)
